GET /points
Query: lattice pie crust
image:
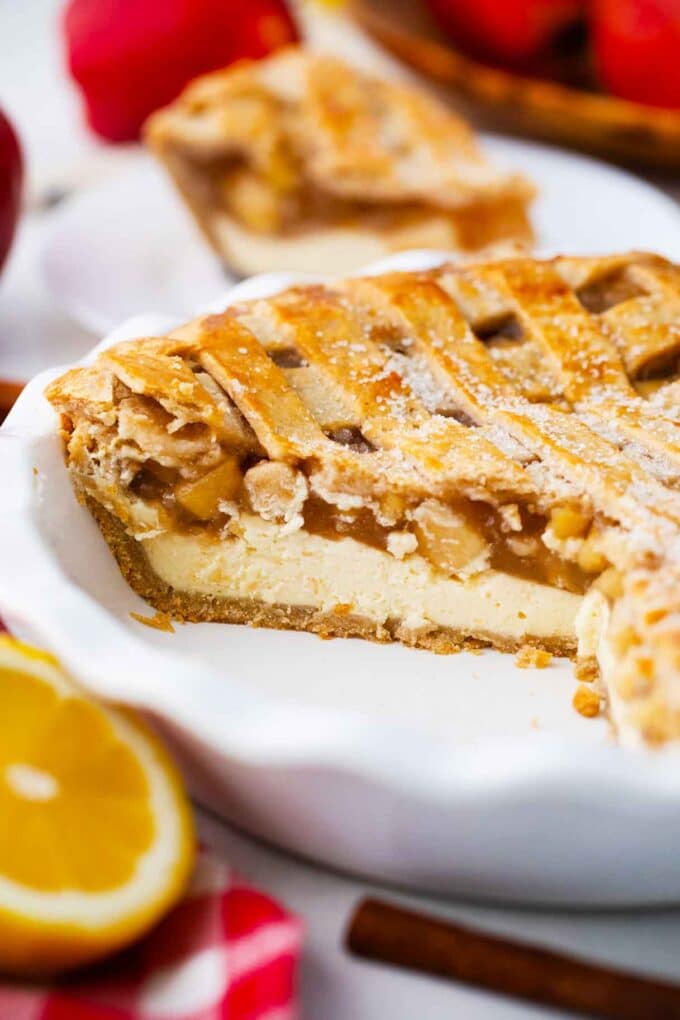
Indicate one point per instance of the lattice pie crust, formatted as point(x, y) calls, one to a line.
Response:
point(448, 446)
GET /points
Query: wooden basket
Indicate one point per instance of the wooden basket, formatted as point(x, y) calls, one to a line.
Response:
point(592, 121)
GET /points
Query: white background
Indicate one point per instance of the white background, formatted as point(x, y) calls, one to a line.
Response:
point(33, 333)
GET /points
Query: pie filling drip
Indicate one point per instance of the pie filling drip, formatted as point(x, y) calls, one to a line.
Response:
point(466, 424)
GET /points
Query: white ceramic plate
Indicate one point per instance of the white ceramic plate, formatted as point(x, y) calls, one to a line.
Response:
point(128, 246)
point(454, 773)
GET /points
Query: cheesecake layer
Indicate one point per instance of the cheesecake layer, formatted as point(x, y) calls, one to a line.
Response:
point(337, 249)
point(347, 577)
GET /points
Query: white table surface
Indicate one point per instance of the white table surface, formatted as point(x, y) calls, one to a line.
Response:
point(60, 154)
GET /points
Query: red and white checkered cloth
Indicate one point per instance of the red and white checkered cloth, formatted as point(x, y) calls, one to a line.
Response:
point(226, 951)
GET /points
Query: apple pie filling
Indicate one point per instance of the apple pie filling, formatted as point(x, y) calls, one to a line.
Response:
point(460, 539)
point(282, 202)
point(188, 482)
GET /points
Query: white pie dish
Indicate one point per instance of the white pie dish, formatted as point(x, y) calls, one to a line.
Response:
point(458, 774)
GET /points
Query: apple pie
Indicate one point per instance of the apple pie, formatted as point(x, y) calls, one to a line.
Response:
point(299, 162)
point(477, 454)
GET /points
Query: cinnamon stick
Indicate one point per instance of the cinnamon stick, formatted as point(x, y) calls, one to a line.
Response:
point(9, 391)
point(390, 934)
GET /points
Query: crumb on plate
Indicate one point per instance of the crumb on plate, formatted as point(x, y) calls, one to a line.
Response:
point(586, 701)
point(529, 657)
point(159, 621)
point(587, 670)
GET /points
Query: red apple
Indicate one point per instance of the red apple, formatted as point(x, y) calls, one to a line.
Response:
point(637, 49)
point(11, 179)
point(132, 56)
point(509, 31)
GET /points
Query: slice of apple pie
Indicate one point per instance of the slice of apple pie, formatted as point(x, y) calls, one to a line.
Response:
point(300, 161)
point(485, 454)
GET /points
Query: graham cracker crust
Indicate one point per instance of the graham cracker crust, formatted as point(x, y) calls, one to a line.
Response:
point(193, 608)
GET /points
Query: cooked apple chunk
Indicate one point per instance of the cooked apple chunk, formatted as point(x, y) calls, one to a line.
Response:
point(449, 539)
point(201, 498)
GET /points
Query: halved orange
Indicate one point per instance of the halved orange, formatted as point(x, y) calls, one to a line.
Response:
point(96, 835)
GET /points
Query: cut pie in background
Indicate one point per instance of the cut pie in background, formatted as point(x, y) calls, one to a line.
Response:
point(301, 162)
